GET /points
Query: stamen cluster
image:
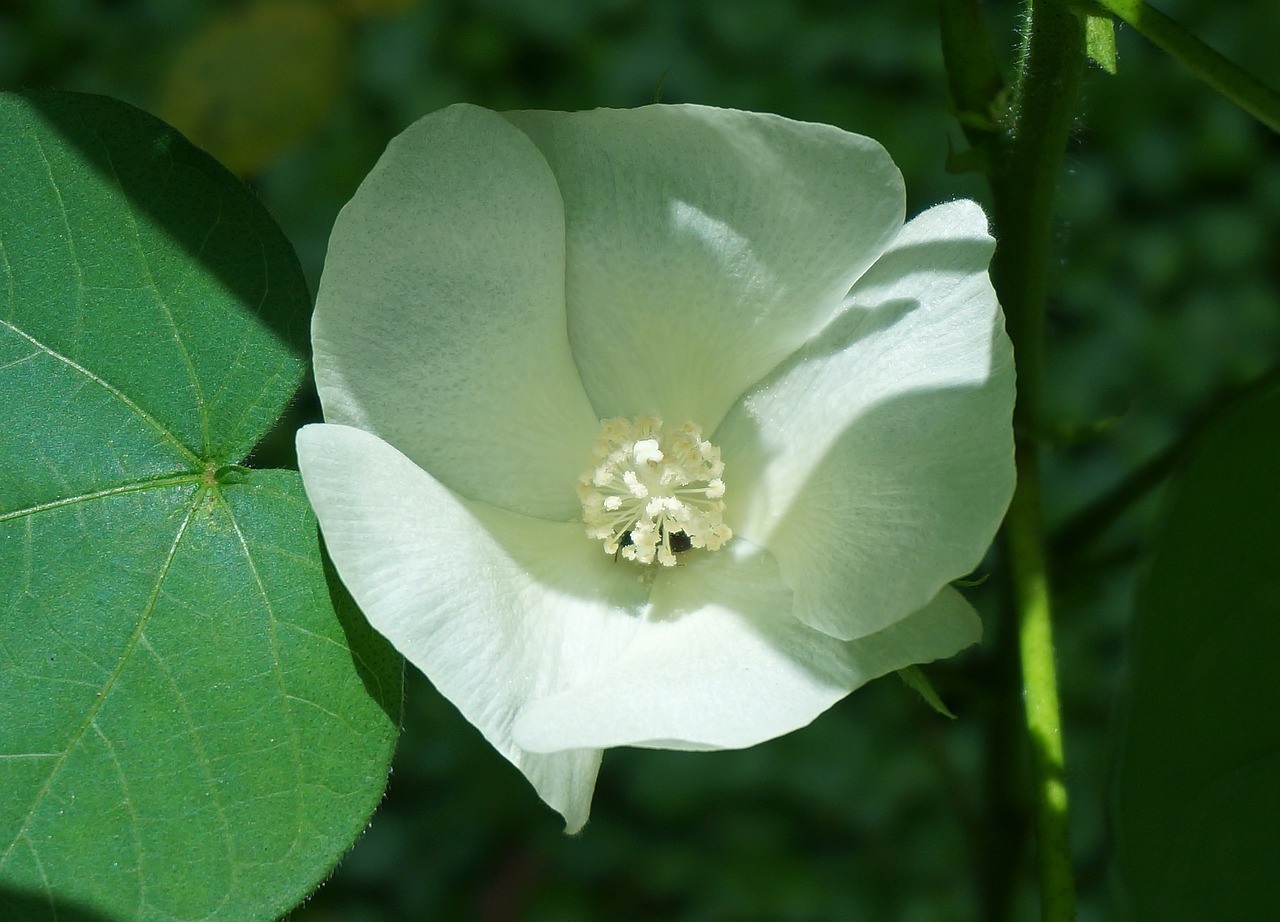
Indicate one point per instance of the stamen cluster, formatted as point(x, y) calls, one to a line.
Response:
point(651, 492)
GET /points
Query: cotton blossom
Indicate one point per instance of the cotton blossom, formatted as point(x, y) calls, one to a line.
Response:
point(654, 427)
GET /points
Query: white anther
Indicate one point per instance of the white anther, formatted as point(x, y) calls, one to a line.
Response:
point(629, 498)
point(638, 490)
point(647, 451)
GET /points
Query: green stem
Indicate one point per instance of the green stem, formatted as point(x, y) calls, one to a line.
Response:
point(1024, 185)
point(1233, 82)
point(1025, 541)
point(1006, 822)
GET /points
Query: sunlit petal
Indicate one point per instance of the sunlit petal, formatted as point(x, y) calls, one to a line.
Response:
point(705, 245)
point(440, 320)
point(877, 463)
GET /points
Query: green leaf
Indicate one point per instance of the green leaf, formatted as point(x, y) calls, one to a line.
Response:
point(1196, 803)
point(1100, 41)
point(194, 721)
point(918, 682)
point(1233, 82)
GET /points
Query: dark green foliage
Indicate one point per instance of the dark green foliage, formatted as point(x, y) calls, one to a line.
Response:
point(1197, 809)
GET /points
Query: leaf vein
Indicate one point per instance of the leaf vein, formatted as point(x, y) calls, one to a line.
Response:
point(294, 743)
point(91, 716)
point(16, 362)
point(71, 242)
point(206, 763)
point(127, 800)
point(114, 391)
point(161, 302)
point(117, 490)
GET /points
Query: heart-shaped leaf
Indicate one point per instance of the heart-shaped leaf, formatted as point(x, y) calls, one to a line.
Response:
point(194, 721)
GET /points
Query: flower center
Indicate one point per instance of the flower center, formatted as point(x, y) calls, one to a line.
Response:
point(651, 492)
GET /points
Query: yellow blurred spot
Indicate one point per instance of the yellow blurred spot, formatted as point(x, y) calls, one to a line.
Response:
point(257, 81)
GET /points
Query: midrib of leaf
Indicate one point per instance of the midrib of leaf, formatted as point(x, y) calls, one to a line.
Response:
point(100, 699)
point(138, 643)
point(294, 745)
point(160, 300)
point(174, 480)
point(114, 391)
point(196, 744)
point(220, 450)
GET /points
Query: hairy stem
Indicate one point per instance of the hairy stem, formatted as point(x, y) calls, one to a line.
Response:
point(1024, 183)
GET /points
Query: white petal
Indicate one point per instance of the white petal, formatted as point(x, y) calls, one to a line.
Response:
point(440, 319)
point(877, 463)
point(497, 609)
point(722, 664)
point(705, 245)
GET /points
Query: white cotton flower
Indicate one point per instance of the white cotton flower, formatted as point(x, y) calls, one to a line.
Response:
point(654, 427)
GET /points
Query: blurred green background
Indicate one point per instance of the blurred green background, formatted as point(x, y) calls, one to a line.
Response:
point(1166, 295)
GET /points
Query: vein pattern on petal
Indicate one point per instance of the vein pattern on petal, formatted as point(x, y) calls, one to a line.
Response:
point(877, 463)
point(725, 666)
point(705, 245)
point(497, 609)
point(440, 319)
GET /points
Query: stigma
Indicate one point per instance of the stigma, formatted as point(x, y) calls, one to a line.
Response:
point(653, 492)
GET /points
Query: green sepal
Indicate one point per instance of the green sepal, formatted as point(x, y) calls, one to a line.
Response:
point(916, 680)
